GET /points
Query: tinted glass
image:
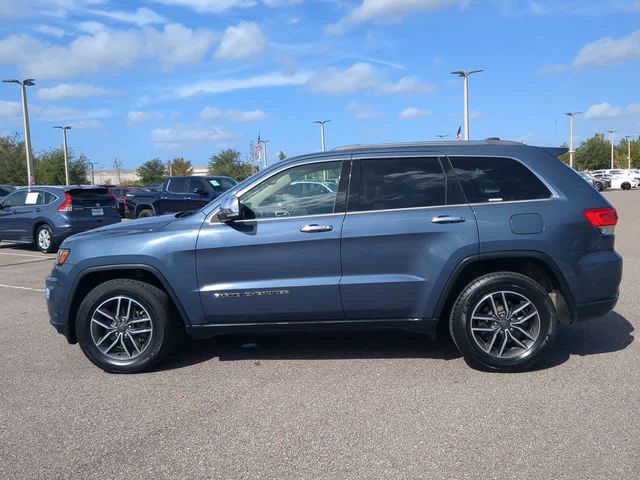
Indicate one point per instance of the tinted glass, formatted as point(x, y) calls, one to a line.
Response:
point(49, 198)
point(178, 185)
point(5, 191)
point(486, 179)
point(401, 183)
point(16, 199)
point(294, 192)
point(222, 184)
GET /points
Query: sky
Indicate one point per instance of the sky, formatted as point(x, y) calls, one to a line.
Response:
point(169, 78)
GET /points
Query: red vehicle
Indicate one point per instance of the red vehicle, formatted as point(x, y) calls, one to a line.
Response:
point(120, 194)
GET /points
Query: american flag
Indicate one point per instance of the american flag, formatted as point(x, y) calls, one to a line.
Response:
point(459, 134)
point(258, 149)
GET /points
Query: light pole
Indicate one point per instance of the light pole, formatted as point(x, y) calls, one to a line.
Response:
point(93, 178)
point(465, 75)
point(611, 139)
point(322, 123)
point(66, 153)
point(442, 137)
point(571, 115)
point(628, 137)
point(27, 135)
point(170, 168)
point(266, 161)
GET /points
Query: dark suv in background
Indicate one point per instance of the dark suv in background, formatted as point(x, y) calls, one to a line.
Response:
point(497, 241)
point(47, 215)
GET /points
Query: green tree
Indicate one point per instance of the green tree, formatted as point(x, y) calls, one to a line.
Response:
point(151, 171)
point(49, 167)
point(13, 163)
point(180, 167)
point(622, 151)
point(227, 162)
point(282, 155)
point(593, 154)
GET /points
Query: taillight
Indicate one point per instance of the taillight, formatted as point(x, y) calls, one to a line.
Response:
point(604, 219)
point(67, 205)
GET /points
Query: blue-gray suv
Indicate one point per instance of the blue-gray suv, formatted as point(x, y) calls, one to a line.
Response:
point(497, 241)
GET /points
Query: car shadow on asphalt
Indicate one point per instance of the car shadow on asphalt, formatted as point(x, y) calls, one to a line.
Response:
point(311, 346)
point(608, 334)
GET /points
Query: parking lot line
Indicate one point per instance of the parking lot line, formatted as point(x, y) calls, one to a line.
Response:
point(22, 255)
point(22, 288)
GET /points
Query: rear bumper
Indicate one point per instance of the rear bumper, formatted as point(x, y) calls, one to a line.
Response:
point(587, 311)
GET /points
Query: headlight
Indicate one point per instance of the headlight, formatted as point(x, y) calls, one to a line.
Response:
point(62, 256)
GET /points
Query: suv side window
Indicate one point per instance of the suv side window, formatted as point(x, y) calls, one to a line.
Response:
point(178, 185)
point(16, 199)
point(392, 183)
point(488, 179)
point(284, 194)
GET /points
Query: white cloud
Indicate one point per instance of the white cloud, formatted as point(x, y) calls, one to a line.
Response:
point(137, 117)
point(49, 30)
point(65, 114)
point(236, 116)
point(609, 51)
point(363, 112)
point(71, 90)
point(605, 110)
point(242, 41)
point(184, 135)
point(106, 50)
point(10, 109)
point(413, 112)
point(209, 6)
point(234, 84)
point(394, 10)
point(86, 125)
point(91, 26)
point(141, 17)
point(363, 77)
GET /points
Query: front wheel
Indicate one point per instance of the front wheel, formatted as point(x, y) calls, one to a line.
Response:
point(503, 321)
point(599, 187)
point(125, 326)
point(625, 186)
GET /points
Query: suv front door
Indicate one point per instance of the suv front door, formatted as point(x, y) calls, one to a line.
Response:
point(407, 227)
point(11, 214)
point(281, 261)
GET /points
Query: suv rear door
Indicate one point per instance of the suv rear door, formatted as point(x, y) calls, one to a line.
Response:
point(407, 227)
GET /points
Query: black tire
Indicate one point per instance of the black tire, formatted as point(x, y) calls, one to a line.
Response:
point(460, 322)
point(625, 186)
point(44, 240)
point(161, 313)
point(145, 213)
point(599, 187)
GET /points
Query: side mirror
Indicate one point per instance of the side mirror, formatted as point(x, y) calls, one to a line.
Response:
point(229, 209)
point(199, 191)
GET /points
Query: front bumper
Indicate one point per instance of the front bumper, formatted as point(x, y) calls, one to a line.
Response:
point(58, 299)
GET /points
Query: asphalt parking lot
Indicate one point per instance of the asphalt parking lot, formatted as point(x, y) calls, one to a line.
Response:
point(376, 405)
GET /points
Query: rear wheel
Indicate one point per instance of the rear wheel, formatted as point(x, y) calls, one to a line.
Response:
point(625, 186)
point(44, 239)
point(503, 321)
point(145, 213)
point(599, 187)
point(125, 326)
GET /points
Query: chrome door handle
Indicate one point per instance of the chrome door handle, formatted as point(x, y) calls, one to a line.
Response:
point(316, 228)
point(447, 219)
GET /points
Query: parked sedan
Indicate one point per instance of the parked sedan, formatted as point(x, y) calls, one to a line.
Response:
point(597, 183)
point(46, 215)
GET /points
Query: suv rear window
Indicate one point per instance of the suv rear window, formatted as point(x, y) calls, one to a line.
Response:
point(91, 197)
point(392, 183)
point(488, 179)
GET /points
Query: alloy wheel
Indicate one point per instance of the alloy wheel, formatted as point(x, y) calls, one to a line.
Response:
point(505, 324)
point(44, 239)
point(121, 328)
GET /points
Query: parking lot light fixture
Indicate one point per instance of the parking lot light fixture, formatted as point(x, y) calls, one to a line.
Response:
point(465, 75)
point(611, 132)
point(29, 82)
point(628, 137)
point(322, 123)
point(571, 116)
point(66, 152)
